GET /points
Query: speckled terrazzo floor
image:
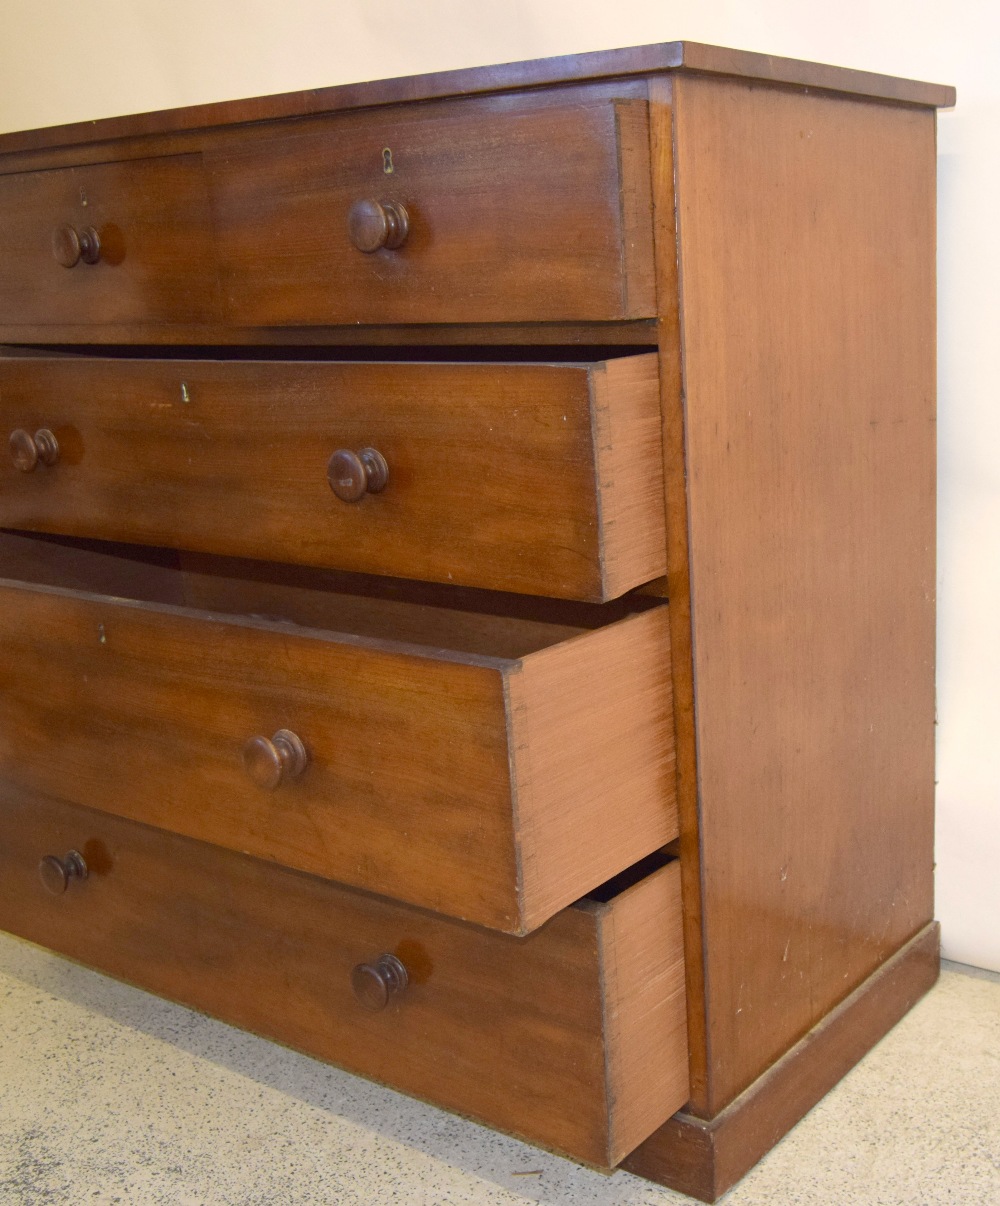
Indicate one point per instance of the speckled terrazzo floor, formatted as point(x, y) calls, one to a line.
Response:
point(108, 1095)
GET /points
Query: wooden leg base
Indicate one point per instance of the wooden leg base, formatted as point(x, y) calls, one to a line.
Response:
point(705, 1157)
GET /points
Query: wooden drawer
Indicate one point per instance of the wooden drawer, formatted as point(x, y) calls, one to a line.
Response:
point(494, 769)
point(519, 210)
point(542, 479)
point(526, 209)
point(574, 1037)
point(156, 255)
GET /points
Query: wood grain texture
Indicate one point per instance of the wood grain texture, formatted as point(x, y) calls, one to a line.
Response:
point(500, 475)
point(676, 585)
point(318, 598)
point(642, 945)
point(309, 599)
point(157, 258)
point(598, 700)
point(134, 573)
point(521, 209)
point(518, 211)
point(509, 1031)
point(534, 73)
point(628, 450)
point(635, 205)
point(806, 237)
point(706, 1158)
point(639, 334)
point(145, 711)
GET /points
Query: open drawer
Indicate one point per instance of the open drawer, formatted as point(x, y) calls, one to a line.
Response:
point(492, 768)
point(543, 479)
point(573, 1037)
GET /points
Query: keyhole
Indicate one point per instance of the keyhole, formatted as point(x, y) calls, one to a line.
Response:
point(387, 161)
point(83, 197)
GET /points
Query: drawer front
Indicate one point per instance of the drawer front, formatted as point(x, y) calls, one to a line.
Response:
point(484, 210)
point(573, 1037)
point(516, 210)
point(153, 260)
point(477, 786)
point(542, 479)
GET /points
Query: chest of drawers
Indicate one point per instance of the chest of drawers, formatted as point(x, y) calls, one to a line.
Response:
point(467, 580)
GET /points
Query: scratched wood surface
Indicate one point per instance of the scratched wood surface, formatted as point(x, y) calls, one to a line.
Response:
point(806, 258)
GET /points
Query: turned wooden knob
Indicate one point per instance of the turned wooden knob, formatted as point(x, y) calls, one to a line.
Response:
point(352, 475)
point(373, 225)
point(57, 874)
point(375, 984)
point(273, 762)
point(26, 450)
point(70, 246)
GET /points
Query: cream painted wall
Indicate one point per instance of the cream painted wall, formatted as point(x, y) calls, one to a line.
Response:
point(62, 61)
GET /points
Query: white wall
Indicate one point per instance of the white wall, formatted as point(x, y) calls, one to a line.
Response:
point(62, 61)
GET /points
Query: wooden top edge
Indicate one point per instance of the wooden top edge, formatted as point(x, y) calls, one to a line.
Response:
point(534, 73)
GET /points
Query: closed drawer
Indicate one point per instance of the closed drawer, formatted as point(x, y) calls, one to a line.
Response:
point(573, 1037)
point(517, 209)
point(484, 210)
point(494, 769)
point(153, 259)
point(542, 479)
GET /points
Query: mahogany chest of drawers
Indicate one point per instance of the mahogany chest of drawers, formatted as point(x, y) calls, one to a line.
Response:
point(467, 580)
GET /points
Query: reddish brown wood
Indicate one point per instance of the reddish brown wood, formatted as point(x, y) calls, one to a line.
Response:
point(376, 984)
point(271, 761)
point(789, 298)
point(133, 573)
point(352, 475)
point(566, 722)
point(631, 61)
point(70, 246)
point(544, 479)
point(470, 784)
point(491, 623)
point(676, 584)
point(535, 233)
point(152, 259)
point(706, 1158)
point(806, 254)
point(502, 1029)
point(56, 874)
point(587, 338)
point(28, 451)
point(373, 225)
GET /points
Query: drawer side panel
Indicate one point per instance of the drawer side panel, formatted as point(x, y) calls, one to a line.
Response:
point(642, 949)
point(592, 747)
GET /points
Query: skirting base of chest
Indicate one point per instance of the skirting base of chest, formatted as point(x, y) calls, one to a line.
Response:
point(706, 1157)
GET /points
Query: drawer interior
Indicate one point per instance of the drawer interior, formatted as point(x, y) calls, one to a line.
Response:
point(485, 623)
point(467, 761)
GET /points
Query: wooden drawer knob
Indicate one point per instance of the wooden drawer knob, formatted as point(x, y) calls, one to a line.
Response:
point(271, 762)
point(26, 450)
point(375, 984)
point(373, 225)
point(57, 874)
point(352, 475)
point(70, 246)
